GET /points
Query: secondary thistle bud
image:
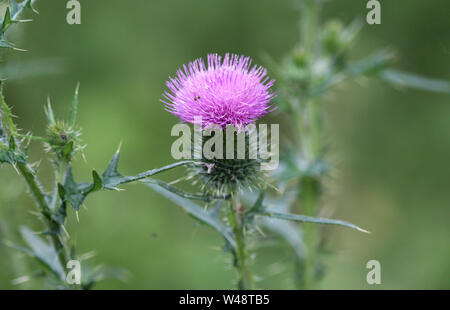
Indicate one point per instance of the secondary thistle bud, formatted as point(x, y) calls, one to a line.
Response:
point(299, 57)
point(332, 37)
point(63, 140)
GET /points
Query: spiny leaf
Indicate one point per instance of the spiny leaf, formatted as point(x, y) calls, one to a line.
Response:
point(208, 217)
point(289, 232)
point(6, 21)
point(310, 219)
point(97, 185)
point(111, 178)
point(183, 194)
point(49, 113)
point(290, 167)
point(74, 108)
point(10, 155)
point(18, 7)
point(67, 150)
point(257, 208)
point(11, 17)
point(42, 251)
point(3, 135)
point(352, 31)
point(75, 193)
point(99, 273)
point(371, 64)
point(25, 278)
point(60, 214)
point(7, 112)
point(4, 42)
point(405, 79)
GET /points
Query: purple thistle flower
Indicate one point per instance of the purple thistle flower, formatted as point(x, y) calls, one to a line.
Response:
point(225, 92)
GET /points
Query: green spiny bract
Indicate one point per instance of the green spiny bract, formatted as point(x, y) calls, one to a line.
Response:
point(220, 176)
point(224, 176)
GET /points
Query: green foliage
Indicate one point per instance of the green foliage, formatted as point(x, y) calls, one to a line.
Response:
point(309, 219)
point(311, 71)
point(405, 79)
point(7, 115)
point(9, 154)
point(75, 193)
point(259, 209)
point(210, 217)
point(63, 140)
point(319, 64)
point(45, 253)
point(12, 13)
point(314, 69)
point(63, 137)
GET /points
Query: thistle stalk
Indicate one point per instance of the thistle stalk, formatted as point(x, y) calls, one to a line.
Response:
point(241, 256)
point(309, 129)
point(39, 197)
point(309, 25)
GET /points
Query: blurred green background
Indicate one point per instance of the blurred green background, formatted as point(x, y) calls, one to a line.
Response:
point(390, 148)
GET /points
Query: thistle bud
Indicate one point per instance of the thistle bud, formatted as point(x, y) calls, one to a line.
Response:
point(300, 58)
point(332, 37)
point(63, 140)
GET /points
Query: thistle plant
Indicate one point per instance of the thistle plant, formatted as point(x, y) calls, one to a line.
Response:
point(320, 62)
point(51, 247)
point(224, 97)
point(226, 93)
point(229, 93)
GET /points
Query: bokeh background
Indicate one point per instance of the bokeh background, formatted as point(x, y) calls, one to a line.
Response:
point(390, 147)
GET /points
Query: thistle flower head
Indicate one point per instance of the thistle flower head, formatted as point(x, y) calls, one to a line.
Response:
point(228, 91)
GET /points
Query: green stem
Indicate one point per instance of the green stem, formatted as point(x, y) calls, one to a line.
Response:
point(39, 197)
point(241, 256)
point(8, 113)
point(35, 188)
point(59, 244)
point(311, 144)
point(309, 23)
point(310, 199)
point(309, 127)
point(315, 124)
